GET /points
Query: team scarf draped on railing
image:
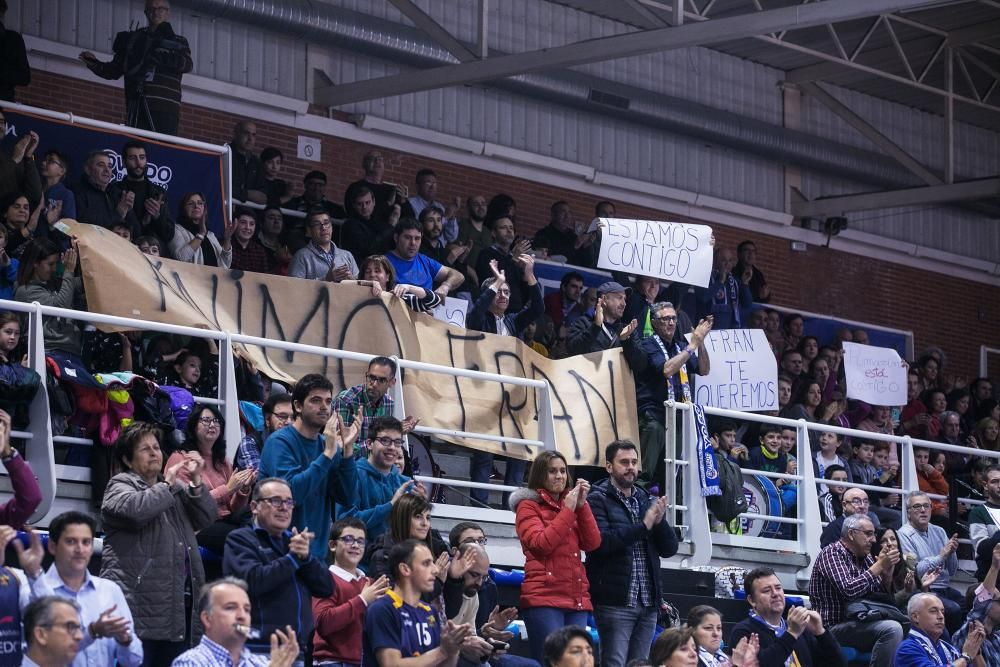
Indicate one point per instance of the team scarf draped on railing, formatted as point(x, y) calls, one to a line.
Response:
point(708, 469)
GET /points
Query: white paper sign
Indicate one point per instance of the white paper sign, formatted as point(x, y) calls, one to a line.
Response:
point(310, 148)
point(452, 311)
point(875, 375)
point(669, 250)
point(744, 372)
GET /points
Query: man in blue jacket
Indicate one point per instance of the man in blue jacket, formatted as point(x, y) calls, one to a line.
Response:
point(315, 455)
point(379, 482)
point(282, 576)
point(624, 572)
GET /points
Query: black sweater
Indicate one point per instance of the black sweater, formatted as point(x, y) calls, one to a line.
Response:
point(821, 651)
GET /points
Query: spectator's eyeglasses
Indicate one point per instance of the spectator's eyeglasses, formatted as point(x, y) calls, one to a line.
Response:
point(69, 626)
point(664, 318)
point(858, 501)
point(504, 291)
point(866, 533)
point(920, 506)
point(350, 540)
point(375, 379)
point(478, 540)
point(324, 224)
point(389, 442)
point(277, 503)
point(282, 416)
point(210, 421)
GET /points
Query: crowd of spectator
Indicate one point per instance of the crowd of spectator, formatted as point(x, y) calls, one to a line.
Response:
point(314, 545)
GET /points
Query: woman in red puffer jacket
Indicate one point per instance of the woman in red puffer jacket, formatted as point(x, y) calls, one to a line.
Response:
point(555, 526)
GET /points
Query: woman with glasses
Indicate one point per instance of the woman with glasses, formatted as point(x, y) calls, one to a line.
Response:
point(193, 241)
point(340, 618)
point(150, 548)
point(230, 490)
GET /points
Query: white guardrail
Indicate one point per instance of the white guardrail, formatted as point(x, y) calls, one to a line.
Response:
point(39, 448)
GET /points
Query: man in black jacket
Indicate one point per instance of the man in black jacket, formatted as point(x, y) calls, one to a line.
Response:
point(801, 634)
point(281, 574)
point(624, 572)
point(99, 200)
point(152, 60)
point(150, 200)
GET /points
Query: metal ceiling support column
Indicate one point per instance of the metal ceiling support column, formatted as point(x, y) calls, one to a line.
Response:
point(618, 46)
point(434, 30)
point(949, 116)
point(483, 29)
point(886, 144)
point(985, 188)
point(791, 103)
point(678, 12)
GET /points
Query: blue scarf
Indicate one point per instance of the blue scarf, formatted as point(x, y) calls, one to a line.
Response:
point(708, 470)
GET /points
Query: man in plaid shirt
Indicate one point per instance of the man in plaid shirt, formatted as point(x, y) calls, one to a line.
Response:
point(372, 398)
point(846, 571)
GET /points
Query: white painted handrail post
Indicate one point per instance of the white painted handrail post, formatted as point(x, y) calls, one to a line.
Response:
point(699, 528)
point(398, 401)
point(546, 422)
point(670, 457)
point(228, 396)
point(808, 500)
point(908, 464)
point(39, 451)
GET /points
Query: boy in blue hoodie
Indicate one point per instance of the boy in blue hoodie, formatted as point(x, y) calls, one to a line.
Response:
point(379, 480)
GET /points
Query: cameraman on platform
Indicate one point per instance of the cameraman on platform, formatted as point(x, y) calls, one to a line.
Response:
point(152, 60)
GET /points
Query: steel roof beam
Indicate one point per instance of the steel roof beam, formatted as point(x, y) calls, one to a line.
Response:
point(986, 188)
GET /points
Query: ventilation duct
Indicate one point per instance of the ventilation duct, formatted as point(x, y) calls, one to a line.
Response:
point(348, 30)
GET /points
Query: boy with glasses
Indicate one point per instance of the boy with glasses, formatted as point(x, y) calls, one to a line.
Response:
point(380, 482)
point(276, 564)
point(340, 618)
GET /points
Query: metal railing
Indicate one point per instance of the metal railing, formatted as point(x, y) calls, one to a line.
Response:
point(807, 517)
point(39, 450)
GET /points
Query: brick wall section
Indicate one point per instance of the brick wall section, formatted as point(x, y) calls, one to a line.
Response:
point(957, 315)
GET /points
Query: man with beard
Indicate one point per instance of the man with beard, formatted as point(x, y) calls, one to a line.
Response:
point(982, 529)
point(474, 228)
point(277, 566)
point(314, 454)
point(365, 232)
point(414, 268)
point(624, 570)
point(152, 60)
point(371, 398)
point(607, 329)
point(99, 200)
point(149, 200)
point(379, 480)
point(433, 244)
point(663, 355)
point(489, 314)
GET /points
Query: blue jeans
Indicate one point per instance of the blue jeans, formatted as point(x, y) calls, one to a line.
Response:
point(625, 632)
point(481, 467)
point(540, 622)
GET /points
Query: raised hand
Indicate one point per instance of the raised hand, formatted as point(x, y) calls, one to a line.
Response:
point(599, 312)
point(452, 636)
point(5, 428)
point(461, 564)
point(628, 329)
point(54, 212)
point(110, 625)
point(284, 648)
point(442, 565)
point(30, 558)
point(496, 626)
point(572, 499)
point(152, 206)
point(700, 331)
point(930, 576)
point(401, 491)
point(375, 589)
point(170, 474)
point(125, 203)
point(797, 619)
point(70, 258)
point(409, 423)
point(745, 651)
point(298, 545)
point(331, 436)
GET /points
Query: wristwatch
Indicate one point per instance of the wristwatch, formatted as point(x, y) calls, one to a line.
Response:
point(967, 658)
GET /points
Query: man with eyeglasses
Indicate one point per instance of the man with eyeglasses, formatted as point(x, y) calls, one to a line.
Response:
point(379, 480)
point(662, 365)
point(277, 412)
point(152, 60)
point(52, 631)
point(281, 574)
point(846, 571)
point(321, 259)
point(489, 314)
point(372, 398)
point(853, 501)
point(934, 549)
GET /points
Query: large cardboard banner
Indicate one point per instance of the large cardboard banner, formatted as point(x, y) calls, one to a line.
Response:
point(672, 251)
point(743, 374)
point(593, 396)
point(875, 375)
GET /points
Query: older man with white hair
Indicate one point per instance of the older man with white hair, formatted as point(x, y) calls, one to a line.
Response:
point(923, 647)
